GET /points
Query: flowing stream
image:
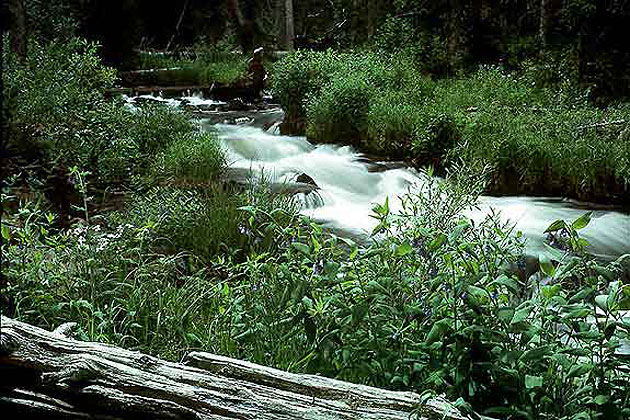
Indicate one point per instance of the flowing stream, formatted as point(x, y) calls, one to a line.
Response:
point(348, 189)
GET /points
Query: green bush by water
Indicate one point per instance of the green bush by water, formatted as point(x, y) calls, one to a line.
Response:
point(196, 157)
point(58, 112)
point(538, 140)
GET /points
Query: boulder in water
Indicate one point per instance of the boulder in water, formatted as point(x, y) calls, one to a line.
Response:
point(305, 179)
point(292, 188)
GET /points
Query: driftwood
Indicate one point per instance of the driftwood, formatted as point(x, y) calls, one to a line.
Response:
point(49, 375)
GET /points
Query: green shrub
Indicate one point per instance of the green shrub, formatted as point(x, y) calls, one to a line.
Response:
point(392, 125)
point(205, 65)
point(341, 110)
point(202, 221)
point(58, 113)
point(196, 157)
point(299, 76)
point(437, 138)
point(55, 81)
point(540, 139)
point(435, 304)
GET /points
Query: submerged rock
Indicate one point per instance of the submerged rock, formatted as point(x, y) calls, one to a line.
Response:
point(303, 178)
point(242, 178)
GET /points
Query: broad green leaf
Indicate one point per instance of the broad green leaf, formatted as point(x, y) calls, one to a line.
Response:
point(505, 314)
point(612, 295)
point(307, 302)
point(579, 370)
point(585, 293)
point(602, 301)
point(478, 292)
point(5, 232)
point(533, 381)
point(553, 253)
point(194, 338)
point(508, 282)
point(521, 314)
point(437, 242)
point(403, 249)
point(546, 266)
point(536, 353)
point(382, 210)
point(249, 209)
point(551, 290)
point(303, 248)
point(582, 221)
point(316, 245)
point(601, 399)
point(578, 313)
point(437, 331)
point(555, 226)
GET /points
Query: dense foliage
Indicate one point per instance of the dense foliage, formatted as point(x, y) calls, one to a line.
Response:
point(446, 308)
point(159, 254)
point(57, 112)
point(540, 136)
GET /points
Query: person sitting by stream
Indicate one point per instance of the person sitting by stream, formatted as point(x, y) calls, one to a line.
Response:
point(256, 72)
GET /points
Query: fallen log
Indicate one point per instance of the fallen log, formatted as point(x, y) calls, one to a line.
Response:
point(49, 375)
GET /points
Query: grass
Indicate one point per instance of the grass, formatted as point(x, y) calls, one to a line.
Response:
point(431, 305)
point(537, 140)
point(196, 157)
point(204, 67)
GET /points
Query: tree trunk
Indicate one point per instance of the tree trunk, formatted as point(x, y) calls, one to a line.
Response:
point(243, 26)
point(18, 33)
point(48, 375)
point(289, 25)
point(543, 25)
point(177, 26)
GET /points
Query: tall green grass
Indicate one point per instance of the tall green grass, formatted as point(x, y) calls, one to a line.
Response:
point(538, 140)
point(205, 66)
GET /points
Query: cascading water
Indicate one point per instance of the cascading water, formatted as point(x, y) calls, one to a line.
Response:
point(348, 190)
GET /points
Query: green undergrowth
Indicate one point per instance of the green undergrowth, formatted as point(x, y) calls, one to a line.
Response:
point(58, 115)
point(539, 133)
point(436, 304)
point(204, 66)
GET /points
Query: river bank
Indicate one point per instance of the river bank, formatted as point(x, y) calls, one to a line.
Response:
point(535, 140)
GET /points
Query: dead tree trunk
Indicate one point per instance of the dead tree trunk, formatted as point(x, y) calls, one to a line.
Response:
point(17, 27)
point(290, 26)
point(48, 375)
point(542, 26)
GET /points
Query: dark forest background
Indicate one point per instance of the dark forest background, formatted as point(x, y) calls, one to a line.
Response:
point(590, 35)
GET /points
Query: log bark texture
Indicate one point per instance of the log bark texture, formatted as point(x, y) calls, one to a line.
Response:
point(49, 375)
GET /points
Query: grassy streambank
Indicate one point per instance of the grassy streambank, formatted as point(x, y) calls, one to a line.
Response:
point(435, 304)
point(203, 66)
point(537, 140)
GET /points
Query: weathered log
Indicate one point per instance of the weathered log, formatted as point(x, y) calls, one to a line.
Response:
point(49, 375)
